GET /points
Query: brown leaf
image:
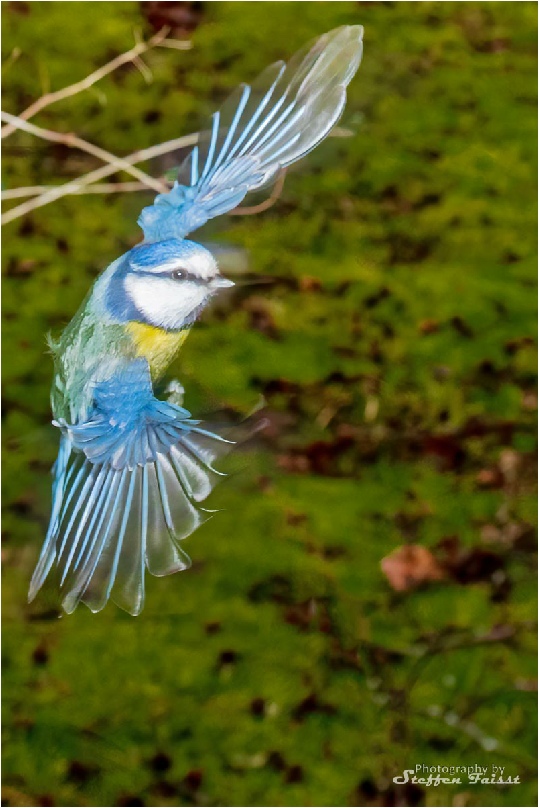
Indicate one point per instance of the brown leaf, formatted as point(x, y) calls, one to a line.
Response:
point(410, 566)
point(309, 284)
point(193, 779)
point(447, 449)
point(181, 17)
point(489, 478)
point(529, 400)
point(428, 326)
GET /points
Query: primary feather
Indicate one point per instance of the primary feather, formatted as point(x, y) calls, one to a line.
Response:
point(258, 131)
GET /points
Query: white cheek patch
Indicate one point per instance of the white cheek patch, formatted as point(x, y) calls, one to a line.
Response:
point(164, 302)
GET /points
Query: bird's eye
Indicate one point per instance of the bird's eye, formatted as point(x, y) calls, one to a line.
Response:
point(178, 274)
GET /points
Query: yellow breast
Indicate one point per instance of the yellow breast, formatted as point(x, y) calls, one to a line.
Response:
point(158, 346)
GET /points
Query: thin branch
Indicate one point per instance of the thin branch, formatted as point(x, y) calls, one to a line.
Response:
point(125, 187)
point(98, 188)
point(73, 141)
point(268, 203)
point(74, 186)
point(176, 44)
point(43, 195)
point(143, 69)
point(51, 98)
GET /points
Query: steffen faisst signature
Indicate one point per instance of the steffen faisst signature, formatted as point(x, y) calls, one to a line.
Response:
point(424, 775)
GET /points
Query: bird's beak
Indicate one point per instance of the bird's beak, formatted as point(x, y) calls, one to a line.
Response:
point(220, 283)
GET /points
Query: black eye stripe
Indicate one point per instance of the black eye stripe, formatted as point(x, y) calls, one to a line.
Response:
point(185, 276)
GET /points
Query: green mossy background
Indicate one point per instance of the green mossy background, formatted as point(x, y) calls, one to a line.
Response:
point(396, 353)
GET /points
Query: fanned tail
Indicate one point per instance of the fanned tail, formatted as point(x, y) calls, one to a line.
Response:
point(124, 497)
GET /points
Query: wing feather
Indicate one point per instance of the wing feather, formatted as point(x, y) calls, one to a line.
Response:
point(258, 131)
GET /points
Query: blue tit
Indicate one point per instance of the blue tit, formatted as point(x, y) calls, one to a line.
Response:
point(132, 469)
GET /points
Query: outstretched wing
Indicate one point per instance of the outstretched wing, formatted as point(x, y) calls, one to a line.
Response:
point(258, 131)
point(127, 491)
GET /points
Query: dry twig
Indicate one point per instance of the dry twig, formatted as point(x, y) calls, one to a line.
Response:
point(73, 187)
point(268, 203)
point(75, 142)
point(88, 183)
point(98, 188)
point(43, 195)
point(139, 48)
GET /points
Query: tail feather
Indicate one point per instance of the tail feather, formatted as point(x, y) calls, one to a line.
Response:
point(166, 557)
point(48, 552)
point(87, 520)
point(98, 571)
point(109, 523)
point(129, 590)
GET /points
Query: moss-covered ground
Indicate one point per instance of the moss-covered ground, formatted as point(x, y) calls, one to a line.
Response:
point(395, 350)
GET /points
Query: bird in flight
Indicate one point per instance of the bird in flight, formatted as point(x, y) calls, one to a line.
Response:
point(132, 469)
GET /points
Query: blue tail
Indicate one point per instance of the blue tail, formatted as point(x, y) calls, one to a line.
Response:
point(125, 494)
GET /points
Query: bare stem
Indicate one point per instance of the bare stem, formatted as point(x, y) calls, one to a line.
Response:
point(129, 56)
point(75, 142)
point(75, 186)
point(268, 203)
point(98, 188)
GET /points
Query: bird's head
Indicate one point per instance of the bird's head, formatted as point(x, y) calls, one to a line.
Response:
point(164, 284)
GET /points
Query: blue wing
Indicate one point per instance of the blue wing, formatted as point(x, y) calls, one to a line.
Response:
point(258, 131)
point(128, 483)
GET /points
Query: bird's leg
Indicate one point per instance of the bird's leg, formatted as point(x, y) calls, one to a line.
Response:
point(175, 392)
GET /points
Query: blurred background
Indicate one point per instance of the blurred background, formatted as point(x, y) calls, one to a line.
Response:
point(365, 600)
